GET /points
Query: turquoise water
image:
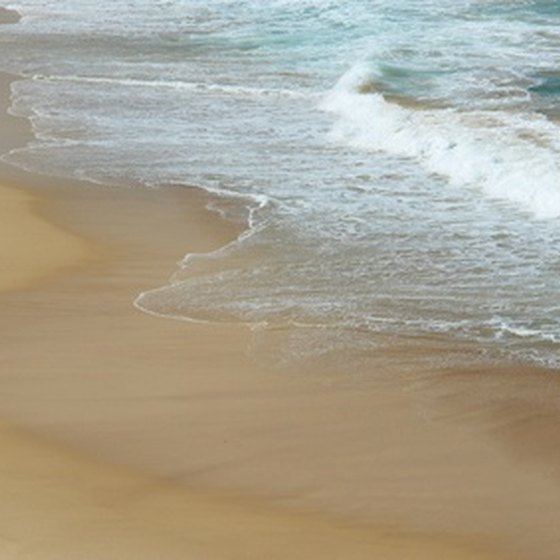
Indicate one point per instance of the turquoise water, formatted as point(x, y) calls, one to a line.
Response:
point(399, 160)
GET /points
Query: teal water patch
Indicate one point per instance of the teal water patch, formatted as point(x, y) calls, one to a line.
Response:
point(546, 7)
point(410, 81)
point(546, 95)
point(547, 86)
point(516, 10)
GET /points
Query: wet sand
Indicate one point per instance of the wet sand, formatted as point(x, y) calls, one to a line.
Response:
point(8, 16)
point(22, 233)
point(151, 437)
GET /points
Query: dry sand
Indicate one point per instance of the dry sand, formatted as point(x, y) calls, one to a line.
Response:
point(183, 445)
point(56, 505)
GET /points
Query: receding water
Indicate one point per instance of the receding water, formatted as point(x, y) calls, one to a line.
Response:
point(400, 160)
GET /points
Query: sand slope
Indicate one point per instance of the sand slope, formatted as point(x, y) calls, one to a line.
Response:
point(31, 248)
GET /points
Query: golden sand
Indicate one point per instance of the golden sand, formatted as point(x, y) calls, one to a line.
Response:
point(31, 248)
point(90, 369)
point(55, 504)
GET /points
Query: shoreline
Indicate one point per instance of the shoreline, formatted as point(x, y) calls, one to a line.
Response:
point(337, 471)
point(33, 248)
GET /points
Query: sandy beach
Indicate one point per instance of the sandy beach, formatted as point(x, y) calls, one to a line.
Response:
point(125, 435)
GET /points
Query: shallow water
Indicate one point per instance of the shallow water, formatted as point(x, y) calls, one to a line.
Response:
point(399, 160)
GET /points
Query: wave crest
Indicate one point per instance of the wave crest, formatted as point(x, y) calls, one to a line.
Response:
point(508, 155)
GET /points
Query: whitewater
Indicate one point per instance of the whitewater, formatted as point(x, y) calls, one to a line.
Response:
point(398, 162)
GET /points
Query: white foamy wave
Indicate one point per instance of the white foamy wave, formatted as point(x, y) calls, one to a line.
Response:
point(503, 328)
point(509, 156)
point(176, 85)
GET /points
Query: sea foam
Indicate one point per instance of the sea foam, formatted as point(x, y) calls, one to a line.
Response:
point(506, 155)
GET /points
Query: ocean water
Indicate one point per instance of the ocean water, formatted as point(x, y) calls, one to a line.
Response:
point(399, 160)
